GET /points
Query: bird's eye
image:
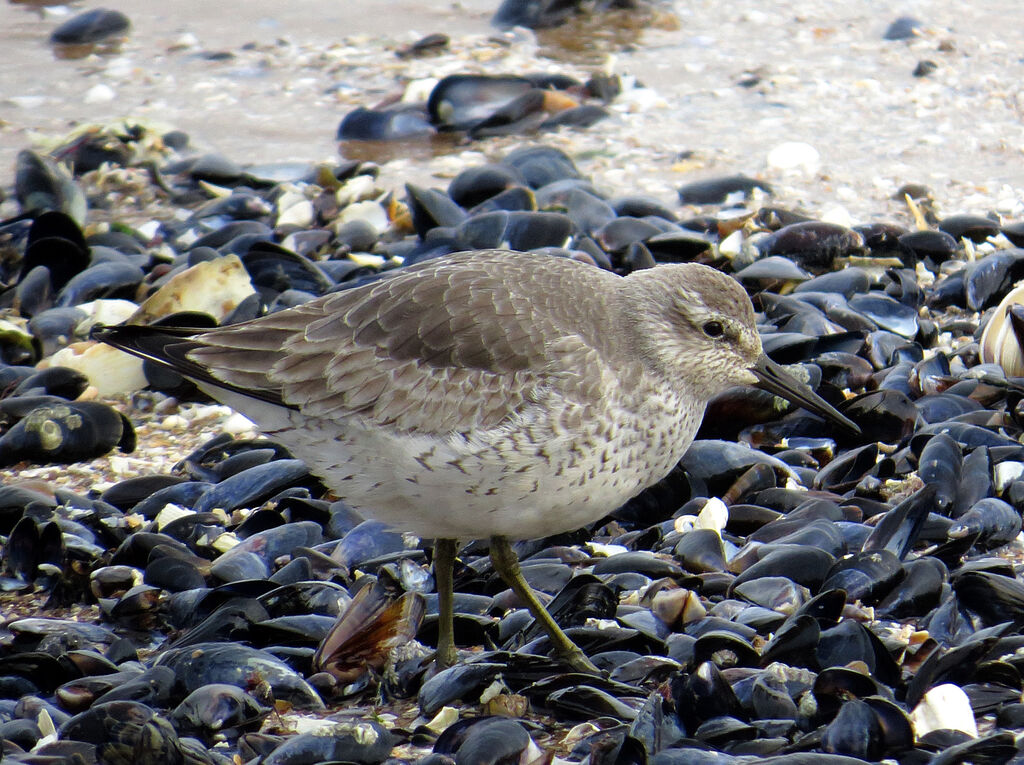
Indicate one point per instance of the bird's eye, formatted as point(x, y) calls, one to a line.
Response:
point(713, 328)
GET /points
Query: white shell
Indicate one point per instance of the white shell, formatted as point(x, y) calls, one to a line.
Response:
point(794, 155)
point(299, 214)
point(714, 515)
point(356, 189)
point(998, 342)
point(110, 371)
point(214, 286)
point(944, 706)
point(371, 212)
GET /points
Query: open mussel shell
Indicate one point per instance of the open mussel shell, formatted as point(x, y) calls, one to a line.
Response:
point(1001, 340)
point(276, 269)
point(460, 101)
point(366, 632)
point(216, 707)
point(213, 287)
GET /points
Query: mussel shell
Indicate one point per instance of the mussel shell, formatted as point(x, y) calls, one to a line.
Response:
point(431, 208)
point(53, 381)
point(884, 415)
point(275, 268)
point(719, 190)
point(70, 432)
point(934, 247)
point(34, 293)
point(904, 28)
point(359, 741)
point(252, 486)
point(460, 101)
point(42, 185)
point(56, 242)
point(703, 694)
point(855, 732)
point(102, 280)
point(887, 313)
point(794, 642)
point(215, 707)
point(996, 599)
point(233, 663)
point(814, 245)
point(97, 723)
point(532, 15)
point(393, 124)
point(881, 238)
point(91, 26)
point(515, 230)
point(867, 576)
point(987, 279)
point(541, 165)
point(481, 182)
point(993, 521)
point(973, 227)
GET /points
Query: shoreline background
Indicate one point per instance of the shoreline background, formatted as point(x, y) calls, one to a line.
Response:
point(727, 85)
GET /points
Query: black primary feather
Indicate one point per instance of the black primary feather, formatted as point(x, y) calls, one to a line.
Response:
point(169, 347)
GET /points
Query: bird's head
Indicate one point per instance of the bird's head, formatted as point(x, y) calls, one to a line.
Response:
point(695, 326)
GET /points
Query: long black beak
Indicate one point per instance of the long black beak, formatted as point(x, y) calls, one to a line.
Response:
point(774, 379)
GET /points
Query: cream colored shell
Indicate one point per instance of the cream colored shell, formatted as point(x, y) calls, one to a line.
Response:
point(999, 344)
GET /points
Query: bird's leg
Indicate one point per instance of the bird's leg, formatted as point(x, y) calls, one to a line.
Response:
point(444, 568)
point(506, 563)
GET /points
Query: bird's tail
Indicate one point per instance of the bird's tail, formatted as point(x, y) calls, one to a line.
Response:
point(170, 347)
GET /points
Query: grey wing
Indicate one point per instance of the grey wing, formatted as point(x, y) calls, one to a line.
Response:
point(463, 344)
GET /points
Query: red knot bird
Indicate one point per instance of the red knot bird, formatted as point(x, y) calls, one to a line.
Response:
point(487, 394)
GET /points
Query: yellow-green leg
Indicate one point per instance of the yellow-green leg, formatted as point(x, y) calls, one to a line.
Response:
point(444, 568)
point(507, 565)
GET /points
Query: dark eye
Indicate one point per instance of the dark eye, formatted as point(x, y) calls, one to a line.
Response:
point(713, 328)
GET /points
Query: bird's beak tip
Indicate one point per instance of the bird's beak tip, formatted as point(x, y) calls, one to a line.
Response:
point(774, 379)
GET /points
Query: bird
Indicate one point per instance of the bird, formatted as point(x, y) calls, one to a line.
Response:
point(487, 394)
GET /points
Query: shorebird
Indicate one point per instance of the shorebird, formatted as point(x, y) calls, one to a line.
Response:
point(488, 394)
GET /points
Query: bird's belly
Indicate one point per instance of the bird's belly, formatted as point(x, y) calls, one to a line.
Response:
point(441, 488)
point(525, 484)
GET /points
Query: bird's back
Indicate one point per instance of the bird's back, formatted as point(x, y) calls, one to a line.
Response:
point(479, 394)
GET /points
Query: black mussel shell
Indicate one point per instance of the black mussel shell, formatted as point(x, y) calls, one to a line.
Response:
point(393, 124)
point(92, 26)
point(814, 245)
point(77, 430)
point(719, 190)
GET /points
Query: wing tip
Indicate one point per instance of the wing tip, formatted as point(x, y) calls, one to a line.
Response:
point(170, 348)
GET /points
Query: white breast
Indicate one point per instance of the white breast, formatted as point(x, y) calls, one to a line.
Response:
point(527, 480)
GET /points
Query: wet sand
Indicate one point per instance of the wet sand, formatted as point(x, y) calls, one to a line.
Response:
point(726, 85)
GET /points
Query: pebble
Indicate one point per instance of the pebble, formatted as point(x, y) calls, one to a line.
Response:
point(100, 94)
point(794, 155)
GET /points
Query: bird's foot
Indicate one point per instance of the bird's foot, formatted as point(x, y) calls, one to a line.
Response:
point(578, 660)
point(445, 658)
